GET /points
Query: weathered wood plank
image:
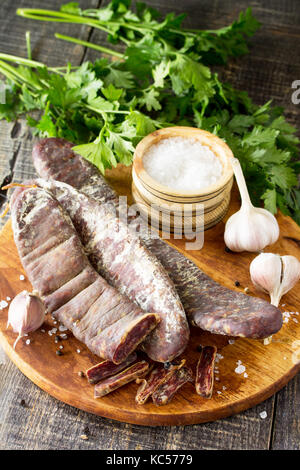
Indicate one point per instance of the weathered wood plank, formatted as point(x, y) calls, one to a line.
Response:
point(287, 424)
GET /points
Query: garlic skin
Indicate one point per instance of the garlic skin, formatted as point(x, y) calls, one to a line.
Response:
point(251, 228)
point(26, 313)
point(275, 274)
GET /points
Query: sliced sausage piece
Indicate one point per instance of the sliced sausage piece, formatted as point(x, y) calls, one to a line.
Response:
point(97, 314)
point(158, 376)
point(107, 368)
point(204, 381)
point(207, 304)
point(167, 390)
point(128, 375)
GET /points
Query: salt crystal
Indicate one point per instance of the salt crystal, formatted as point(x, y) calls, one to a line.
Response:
point(8, 299)
point(231, 341)
point(295, 320)
point(3, 304)
point(217, 378)
point(182, 164)
point(22, 277)
point(219, 393)
point(245, 375)
point(240, 369)
point(62, 328)
point(224, 388)
point(61, 347)
point(78, 350)
point(263, 414)
point(43, 331)
point(27, 341)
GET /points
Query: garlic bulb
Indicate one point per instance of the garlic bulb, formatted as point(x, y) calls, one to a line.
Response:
point(26, 313)
point(275, 274)
point(251, 228)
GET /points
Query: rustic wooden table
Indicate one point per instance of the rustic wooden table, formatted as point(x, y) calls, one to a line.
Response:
point(267, 73)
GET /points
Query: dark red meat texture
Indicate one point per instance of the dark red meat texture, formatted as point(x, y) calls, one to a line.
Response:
point(107, 368)
point(166, 391)
point(128, 375)
point(158, 376)
point(204, 381)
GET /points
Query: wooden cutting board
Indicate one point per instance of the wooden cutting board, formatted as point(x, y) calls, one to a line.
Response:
point(267, 368)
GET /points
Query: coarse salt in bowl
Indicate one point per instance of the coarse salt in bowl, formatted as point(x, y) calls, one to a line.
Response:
point(182, 164)
point(185, 172)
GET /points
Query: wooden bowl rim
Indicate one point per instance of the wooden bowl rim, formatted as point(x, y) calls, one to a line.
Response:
point(217, 145)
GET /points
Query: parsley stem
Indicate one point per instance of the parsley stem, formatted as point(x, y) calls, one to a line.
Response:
point(90, 45)
point(28, 45)
point(7, 73)
point(21, 60)
point(100, 111)
point(9, 70)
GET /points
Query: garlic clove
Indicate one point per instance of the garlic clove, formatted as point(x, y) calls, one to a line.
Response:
point(291, 273)
point(251, 228)
point(275, 274)
point(26, 313)
point(265, 272)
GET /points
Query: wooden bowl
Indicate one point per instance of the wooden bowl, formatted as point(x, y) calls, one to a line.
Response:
point(148, 193)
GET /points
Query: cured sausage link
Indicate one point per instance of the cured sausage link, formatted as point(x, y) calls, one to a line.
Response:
point(207, 304)
point(97, 314)
point(107, 369)
point(128, 375)
point(204, 381)
point(120, 257)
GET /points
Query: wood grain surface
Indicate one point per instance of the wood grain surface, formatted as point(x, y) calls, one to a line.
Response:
point(267, 73)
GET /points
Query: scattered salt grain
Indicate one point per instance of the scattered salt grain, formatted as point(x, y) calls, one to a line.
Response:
point(175, 161)
point(245, 375)
point(22, 277)
point(78, 350)
point(3, 304)
point(52, 332)
point(295, 320)
point(224, 388)
point(43, 331)
point(27, 341)
point(231, 341)
point(61, 347)
point(62, 328)
point(246, 289)
point(8, 299)
point(240, 369)
point(217, 378)
point(263, 414)
point(218, 392)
